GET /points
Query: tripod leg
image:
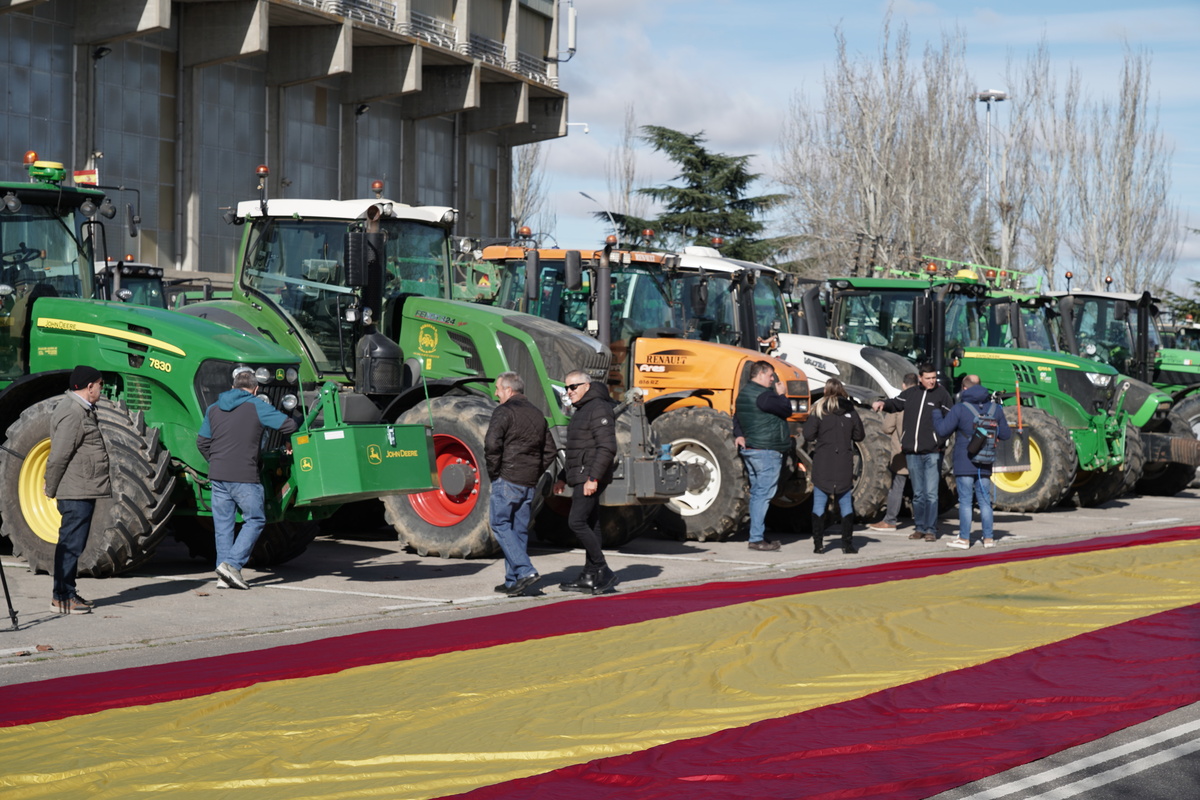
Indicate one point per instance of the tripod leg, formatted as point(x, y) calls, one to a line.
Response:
point(12, 612)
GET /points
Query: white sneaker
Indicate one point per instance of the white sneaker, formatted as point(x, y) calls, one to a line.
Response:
point(989, 542)
point(222, 583)
point(959, 542)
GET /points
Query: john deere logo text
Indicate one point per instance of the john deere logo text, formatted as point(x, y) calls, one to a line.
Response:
point(427, 339)
point(374, 455)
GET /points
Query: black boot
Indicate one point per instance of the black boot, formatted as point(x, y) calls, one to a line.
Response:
point(586, 583)
point(848, 534)
point(818, 533)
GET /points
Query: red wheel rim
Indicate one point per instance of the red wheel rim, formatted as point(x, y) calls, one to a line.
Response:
point(441, 509)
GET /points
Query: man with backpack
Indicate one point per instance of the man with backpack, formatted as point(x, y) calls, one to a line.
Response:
point(978, 423)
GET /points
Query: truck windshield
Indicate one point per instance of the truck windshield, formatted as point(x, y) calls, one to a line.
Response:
point(298, 265)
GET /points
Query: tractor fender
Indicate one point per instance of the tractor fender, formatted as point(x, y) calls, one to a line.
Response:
point(27, 390)
point(438, 387)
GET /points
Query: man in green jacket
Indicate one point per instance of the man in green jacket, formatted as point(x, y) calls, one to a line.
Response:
point(761, 433)
point(76, 476)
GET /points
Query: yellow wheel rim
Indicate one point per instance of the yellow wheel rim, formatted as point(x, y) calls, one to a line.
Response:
point(1017, 482)
point(41, 512)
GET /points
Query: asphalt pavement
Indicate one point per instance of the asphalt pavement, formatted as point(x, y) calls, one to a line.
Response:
point(171, 609)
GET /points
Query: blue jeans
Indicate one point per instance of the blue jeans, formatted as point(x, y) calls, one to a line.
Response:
point(508, 512)
point(72, 538)
point(981, 487)
point(228, 498)
point(763, 468)
point(844, 500)
point(924, 470)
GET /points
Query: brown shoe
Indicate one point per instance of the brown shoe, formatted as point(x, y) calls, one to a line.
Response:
point(916, 535)
point(881, 526)
point(764, 545)
point(931, 537)
point(76, 605)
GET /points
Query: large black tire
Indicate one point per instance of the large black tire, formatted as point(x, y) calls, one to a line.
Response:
point(718, 497)
point(1135, 459)
point(1168, 478)
point(127, 525)
point(1053, 462)
point(278, 542)
point(452, 520)
point(1096, 487)
point(872, 478)
point(1188, 410)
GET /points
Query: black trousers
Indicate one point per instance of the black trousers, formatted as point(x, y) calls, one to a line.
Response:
point(584, 522)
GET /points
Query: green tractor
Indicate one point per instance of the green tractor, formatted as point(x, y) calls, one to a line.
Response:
point(360, 290)
point(1069, 407)
point(1121, 330)
point(161, 372)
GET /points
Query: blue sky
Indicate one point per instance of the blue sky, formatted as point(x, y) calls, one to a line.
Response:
point(730, 69)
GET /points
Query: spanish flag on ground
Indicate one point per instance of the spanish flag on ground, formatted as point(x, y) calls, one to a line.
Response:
point(889, 681)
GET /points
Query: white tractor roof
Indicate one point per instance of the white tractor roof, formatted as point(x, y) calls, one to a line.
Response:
point(1129, 296)
point(339, 209)
point(711, 260)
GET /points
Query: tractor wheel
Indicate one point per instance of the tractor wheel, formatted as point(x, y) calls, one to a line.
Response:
point(127, 525)
point(1168, 478)
point(1188, 410)
point(1096, 487)
point(278, 542)
point(1053, 463)
point(872, 478)
point(450, 521)
point(1135, 459)
point(718, 494)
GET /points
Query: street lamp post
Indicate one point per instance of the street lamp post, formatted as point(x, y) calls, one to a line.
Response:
point(989, 96)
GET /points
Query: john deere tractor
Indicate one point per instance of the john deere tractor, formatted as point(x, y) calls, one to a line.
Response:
point(1070, 408)
point(626, 299)
point(359, 290)
point(161, 371)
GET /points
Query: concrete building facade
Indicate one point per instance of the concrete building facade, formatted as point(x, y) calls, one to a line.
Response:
point(179, 102)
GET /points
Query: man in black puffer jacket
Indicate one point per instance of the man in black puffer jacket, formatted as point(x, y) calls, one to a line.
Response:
point(591, 450)
point(518, 448)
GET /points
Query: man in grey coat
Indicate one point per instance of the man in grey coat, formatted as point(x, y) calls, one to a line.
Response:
point(76, 476)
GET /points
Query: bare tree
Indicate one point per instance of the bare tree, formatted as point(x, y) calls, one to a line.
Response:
point(1122, 221)
point(888, 159)
point(620, 169)
point(528, 186)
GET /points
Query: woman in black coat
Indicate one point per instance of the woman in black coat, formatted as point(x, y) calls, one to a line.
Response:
point(834, 427)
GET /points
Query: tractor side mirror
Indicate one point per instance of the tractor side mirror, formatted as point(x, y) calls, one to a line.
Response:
point(1121, 311)
point(699, 298)
point(920, 315)
point(573, 271)
point(533, 270)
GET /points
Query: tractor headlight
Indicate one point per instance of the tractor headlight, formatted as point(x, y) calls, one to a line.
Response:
point(1099, 379)
point(799, 406)
point(262, 375)
point(288, 402)
point(292, 375)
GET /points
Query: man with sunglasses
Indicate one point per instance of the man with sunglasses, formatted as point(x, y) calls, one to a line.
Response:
point(591, 450)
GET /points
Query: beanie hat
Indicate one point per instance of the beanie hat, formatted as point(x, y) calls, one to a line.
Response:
point(82, 375)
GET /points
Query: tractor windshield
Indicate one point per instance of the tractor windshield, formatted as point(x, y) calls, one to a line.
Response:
point(1101, 335)
point(770, 310)
point(714, 321)
point(39, 257)
point(882, 319)
point(298, 266)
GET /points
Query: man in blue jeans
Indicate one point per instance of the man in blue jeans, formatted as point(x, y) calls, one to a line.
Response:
point(229, 438)
point(518, 449)
point(921, 445)
point(972, 476)
point(76, 476)
point(761, 434)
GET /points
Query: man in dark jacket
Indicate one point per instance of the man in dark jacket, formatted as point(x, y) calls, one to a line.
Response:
point(974, 478)
point(591, 450)
point(229, 439)
point(760, 431)
point(921, 445)
point(518, 448)
point(76, 476)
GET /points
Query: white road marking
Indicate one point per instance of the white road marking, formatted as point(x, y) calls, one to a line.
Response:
point(1125, 770)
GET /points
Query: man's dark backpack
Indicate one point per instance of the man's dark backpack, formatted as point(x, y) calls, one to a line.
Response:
point(981, 449)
